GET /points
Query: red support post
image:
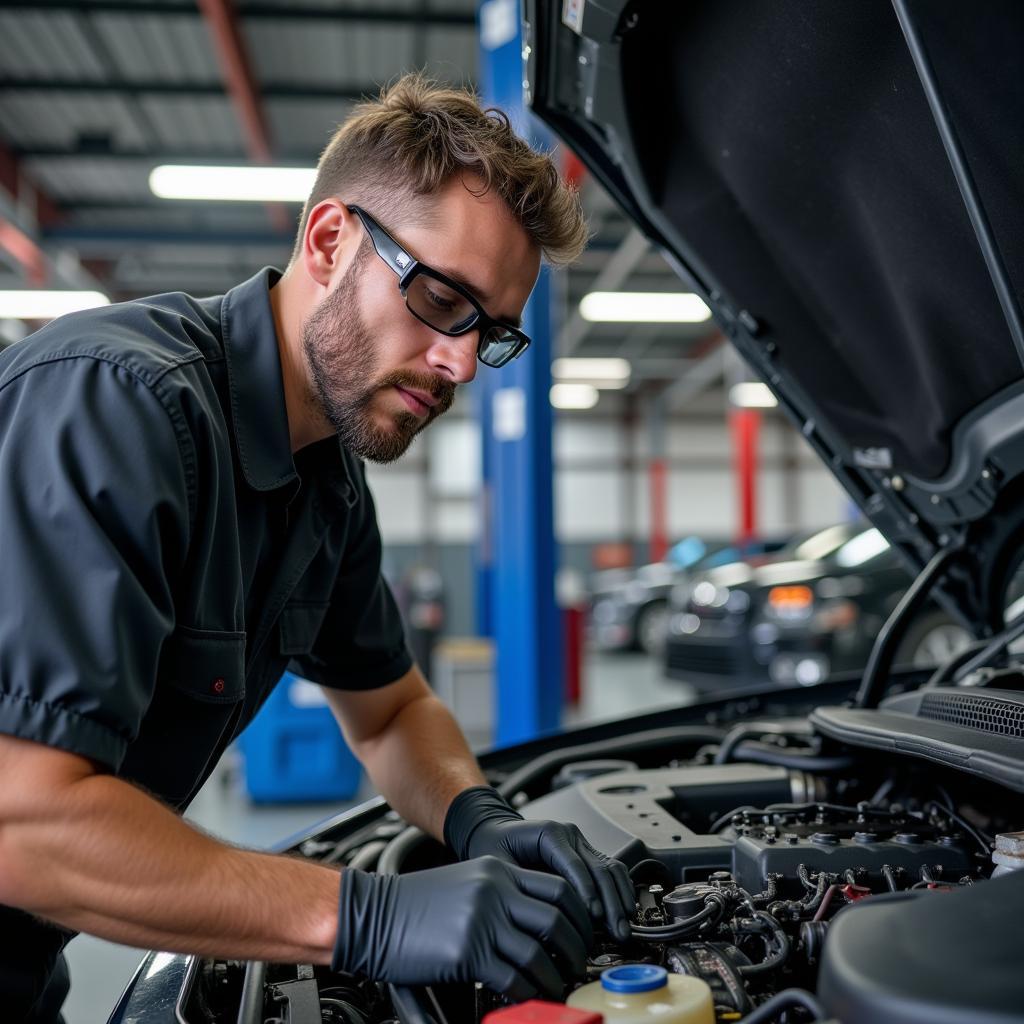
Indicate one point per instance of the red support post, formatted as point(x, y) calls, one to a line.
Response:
point(745, 425)
point(658, 475)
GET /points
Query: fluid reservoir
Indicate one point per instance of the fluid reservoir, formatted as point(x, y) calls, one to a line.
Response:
point(642, 994)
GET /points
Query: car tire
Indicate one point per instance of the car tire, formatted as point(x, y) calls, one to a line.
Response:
point(652, 628)
point(932, 640)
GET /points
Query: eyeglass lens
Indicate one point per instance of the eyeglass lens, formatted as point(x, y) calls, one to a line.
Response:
point(444, 308)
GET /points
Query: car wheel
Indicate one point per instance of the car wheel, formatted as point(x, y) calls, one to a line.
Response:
point(933, 641)
point(652, 627)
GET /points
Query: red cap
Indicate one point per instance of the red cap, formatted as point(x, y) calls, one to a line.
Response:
point(536, 1012)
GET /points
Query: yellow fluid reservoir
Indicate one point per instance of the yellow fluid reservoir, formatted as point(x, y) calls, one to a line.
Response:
point(644, 994)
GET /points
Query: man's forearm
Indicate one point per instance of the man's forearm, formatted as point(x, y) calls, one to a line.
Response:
point(105, 858)
point(421, 762)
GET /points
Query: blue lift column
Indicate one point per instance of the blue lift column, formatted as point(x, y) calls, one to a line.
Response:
point(517, 557)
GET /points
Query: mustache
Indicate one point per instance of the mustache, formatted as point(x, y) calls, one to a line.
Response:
point(442, 391)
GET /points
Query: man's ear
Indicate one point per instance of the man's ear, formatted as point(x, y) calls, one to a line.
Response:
point(331, 239)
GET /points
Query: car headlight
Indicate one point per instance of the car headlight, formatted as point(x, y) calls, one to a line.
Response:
point(707, 595)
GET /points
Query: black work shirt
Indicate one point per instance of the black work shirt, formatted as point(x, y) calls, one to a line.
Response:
point(165, 558)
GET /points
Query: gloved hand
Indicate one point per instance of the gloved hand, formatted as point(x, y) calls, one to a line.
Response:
point(522, 933)
point(480, 822)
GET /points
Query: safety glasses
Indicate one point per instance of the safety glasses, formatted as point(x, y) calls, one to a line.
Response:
point(443, 304)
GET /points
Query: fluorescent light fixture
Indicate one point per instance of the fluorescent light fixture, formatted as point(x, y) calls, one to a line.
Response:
point(573, 396)
point(599, 373)
point(752, 394)
point(232, 184)
point(38, 304)
point(644, 308)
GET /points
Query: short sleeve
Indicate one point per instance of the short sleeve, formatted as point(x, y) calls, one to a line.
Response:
point(94, 517)
point(361, 643)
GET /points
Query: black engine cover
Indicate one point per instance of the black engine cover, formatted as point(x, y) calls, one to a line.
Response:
point(928, 957)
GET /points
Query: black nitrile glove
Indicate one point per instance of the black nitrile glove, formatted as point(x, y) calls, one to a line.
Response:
point(480, 822)
point(484, 920)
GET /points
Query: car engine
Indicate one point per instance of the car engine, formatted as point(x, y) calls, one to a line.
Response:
point(754, 847)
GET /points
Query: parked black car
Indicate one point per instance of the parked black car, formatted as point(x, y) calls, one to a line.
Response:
point(841, 183)
point(807, 613)
point(629, 607)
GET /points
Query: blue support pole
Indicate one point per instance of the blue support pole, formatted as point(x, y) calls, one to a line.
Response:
point(518, 556)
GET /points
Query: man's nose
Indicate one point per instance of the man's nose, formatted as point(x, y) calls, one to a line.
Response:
point(454, 358)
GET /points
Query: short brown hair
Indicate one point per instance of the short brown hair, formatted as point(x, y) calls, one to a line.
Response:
point(419, 135)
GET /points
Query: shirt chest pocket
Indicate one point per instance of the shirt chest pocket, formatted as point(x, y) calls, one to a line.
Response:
point(197, 702)
point(300, 625)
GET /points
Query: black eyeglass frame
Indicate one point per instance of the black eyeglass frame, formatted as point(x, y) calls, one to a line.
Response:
point(407, 267)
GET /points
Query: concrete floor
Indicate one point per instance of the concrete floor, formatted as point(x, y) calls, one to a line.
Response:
point(614, 686)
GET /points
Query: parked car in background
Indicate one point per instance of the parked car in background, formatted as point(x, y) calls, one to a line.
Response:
point(629, 607)
point(807, 613)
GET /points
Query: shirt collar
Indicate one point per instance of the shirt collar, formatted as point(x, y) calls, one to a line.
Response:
point(254, 378)
point(258, 408)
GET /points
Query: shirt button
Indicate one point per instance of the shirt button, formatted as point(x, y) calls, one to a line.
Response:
point(218, 686)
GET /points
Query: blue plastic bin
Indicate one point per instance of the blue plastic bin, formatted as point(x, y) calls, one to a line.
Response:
point(293, 749)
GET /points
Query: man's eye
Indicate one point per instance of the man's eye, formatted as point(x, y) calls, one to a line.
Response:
point(439, 300)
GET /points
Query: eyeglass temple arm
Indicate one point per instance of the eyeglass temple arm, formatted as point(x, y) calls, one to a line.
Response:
point(387, 248)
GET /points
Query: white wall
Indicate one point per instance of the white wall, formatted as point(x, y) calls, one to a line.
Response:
point(601, 482)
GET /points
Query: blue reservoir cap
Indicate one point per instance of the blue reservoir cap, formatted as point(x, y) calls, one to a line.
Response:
point(634, 978)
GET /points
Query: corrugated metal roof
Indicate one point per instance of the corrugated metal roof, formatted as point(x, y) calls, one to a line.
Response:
point(193, 122)
point(304, 125)
point(161, 48)
point(35, 44)
point(324, 52)
point(91, 178)
point(29, 118)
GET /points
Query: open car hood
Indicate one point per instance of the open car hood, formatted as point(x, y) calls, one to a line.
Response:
point(788, 161)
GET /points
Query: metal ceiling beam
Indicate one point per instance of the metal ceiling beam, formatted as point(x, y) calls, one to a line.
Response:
point(620, 265)
point(323, 91)
point(104, 240)
point(263, 12)
point(703, 373)
point(97, 150)
point(238, 77)
point(240, 83)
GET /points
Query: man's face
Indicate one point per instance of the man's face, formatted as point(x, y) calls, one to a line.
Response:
point(377, 374)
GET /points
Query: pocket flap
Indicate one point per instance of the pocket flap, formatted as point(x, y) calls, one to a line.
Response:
point(300, 624)
point(206, 664)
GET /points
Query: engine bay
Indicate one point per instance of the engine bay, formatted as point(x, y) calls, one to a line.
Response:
point(746, 845)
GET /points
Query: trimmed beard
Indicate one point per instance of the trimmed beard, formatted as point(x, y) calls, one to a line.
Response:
point(340, 355)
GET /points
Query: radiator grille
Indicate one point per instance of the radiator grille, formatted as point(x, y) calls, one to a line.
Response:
point(985, 714)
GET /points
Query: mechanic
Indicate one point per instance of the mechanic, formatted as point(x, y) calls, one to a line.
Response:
point(184, 515)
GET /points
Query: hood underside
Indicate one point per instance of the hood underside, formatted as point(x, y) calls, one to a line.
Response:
point(787, 161)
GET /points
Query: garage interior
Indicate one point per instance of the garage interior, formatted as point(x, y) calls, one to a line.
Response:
point(656, 435)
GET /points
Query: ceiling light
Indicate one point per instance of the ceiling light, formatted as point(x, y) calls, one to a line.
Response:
point(599, 373)
point(234, 184)
point(644, 307)
point(37, 304)
point(573, 396)
point(752, 394)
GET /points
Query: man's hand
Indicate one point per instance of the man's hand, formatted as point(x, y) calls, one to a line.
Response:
point(480, 822)
point(521, 933)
